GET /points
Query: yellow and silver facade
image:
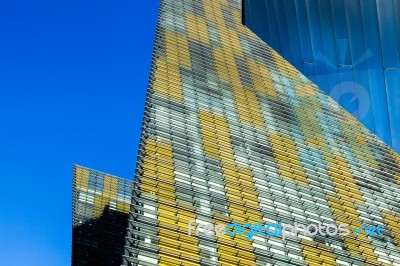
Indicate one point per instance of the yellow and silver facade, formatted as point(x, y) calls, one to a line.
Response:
point(93, 191)
point(233, 133)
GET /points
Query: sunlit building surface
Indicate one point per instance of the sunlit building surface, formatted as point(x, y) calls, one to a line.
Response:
point(349, 48)
point(101, 205)
point(235, 134)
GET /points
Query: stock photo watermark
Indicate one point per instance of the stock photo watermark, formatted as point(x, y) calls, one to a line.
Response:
point(347, 89)
point(280, 230)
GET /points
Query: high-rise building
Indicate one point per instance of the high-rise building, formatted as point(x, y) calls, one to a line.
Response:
point(235, 135)
point(101, 205)
point(350, 49)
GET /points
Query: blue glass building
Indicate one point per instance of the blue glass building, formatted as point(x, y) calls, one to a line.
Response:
point(349, 48)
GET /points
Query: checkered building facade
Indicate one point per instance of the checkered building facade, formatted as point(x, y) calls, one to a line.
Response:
point(233, 133)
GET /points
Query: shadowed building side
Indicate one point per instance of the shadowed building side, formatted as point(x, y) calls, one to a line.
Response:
point(100, 241)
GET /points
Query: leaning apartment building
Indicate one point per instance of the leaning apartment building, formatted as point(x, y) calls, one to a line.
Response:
point(234, 134)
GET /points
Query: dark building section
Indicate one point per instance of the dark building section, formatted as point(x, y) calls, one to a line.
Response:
point(349, 48)
point(101, 204)
point(100, 241)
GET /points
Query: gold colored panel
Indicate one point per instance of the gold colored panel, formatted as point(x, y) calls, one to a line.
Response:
point(99, 205)
point(197, 28)
point(110, 187)
point(170, 218)
point(235, 195)
point(82, 178)
point(392, 221)
point(277, 141)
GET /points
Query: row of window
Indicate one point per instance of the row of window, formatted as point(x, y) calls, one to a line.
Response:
point(255, 157)
point(271, 197)
point(282, 125)
point(249, 133)
point(257, 242)
point(316, 181)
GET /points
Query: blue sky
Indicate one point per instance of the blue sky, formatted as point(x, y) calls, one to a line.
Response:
point(73, 78)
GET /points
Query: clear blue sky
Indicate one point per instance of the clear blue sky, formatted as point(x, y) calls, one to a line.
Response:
point(73, 78)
